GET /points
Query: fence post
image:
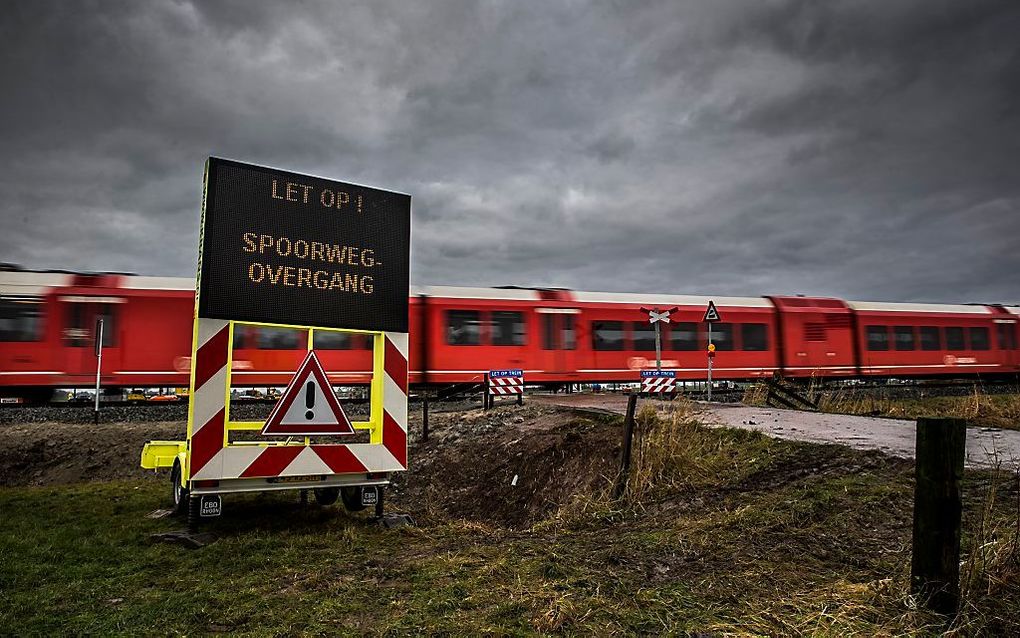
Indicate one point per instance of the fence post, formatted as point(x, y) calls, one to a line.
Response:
point(486, 402)
point(628, 438)
point(938, 506)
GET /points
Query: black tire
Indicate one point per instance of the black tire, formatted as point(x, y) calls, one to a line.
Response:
point(179, 495)
point(326, 495)
point(352, 498)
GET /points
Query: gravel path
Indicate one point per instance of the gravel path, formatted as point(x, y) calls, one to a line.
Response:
point(892, 436)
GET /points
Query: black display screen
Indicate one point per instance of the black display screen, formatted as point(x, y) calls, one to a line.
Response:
point(279, 247)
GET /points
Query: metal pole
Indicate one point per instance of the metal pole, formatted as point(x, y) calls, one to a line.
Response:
point(425, 416)
point(99, 362)
point(709, 361)
point(658, 348)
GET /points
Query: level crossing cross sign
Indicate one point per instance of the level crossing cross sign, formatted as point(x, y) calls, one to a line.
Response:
point(658, 381)
point(308, 407)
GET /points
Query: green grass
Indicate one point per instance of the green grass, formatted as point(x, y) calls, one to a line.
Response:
point(728, 532)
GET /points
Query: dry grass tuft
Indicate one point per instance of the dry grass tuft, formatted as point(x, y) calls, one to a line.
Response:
point(673, 451)
point(977, 407)
point(990, 571)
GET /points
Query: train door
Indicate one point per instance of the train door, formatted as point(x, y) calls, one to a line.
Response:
point(79, 337)
point(1007, 340)
point(558, 339)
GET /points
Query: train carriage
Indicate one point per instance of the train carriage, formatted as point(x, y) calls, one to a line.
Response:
point(618, 340)
point(921, 340)
point(47, 323)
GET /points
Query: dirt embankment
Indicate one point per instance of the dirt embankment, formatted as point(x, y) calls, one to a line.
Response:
point(53, 453)
point(509, 466)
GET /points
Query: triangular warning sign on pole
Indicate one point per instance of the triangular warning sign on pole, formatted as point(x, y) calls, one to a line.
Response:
point(308, 406)
point(712, 314)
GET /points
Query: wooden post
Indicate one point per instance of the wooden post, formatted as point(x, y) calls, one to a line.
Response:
point(628, 438)
point(938, 506)
point(486, 401)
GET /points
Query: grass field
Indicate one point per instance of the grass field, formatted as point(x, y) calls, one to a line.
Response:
point(720, 531)
point(978, 408)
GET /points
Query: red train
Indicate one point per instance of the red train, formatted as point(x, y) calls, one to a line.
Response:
point(556, 336)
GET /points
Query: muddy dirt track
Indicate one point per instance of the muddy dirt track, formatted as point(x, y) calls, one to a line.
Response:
point(985, 446)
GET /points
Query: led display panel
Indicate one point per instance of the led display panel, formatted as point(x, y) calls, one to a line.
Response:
point(280, 247)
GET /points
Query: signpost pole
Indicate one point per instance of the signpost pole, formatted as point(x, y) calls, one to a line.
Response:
point(658, 347)
point(710, 361)
point(99, 364)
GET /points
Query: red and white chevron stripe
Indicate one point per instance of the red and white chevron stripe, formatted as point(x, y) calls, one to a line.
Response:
point(207, 409)
point(251, 461)
point(506, 386)
point(658, 384)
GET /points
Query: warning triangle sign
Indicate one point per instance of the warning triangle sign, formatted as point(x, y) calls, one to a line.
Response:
point(308, 405)
point(712, 314)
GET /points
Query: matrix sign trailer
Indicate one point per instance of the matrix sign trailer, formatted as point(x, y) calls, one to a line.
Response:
point(284, 250)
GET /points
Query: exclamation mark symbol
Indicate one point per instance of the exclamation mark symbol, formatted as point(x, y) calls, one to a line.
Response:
point(310, 400)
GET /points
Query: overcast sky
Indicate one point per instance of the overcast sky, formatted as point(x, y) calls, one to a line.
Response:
point(866, 150)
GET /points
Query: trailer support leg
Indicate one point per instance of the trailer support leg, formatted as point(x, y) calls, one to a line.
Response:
point(379, 502)
point(193, 514)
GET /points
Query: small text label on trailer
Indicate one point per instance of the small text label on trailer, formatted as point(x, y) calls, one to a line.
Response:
point(211, 505)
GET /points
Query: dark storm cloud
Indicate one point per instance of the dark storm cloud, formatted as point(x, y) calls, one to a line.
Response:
point(857, 149)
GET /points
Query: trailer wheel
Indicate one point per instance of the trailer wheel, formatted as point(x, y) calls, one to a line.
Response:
point(179, 493)
point(352, 498)
point(326, 495)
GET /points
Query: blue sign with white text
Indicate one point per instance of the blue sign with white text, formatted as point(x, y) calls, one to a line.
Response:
point(658, 373)
point(498, 374)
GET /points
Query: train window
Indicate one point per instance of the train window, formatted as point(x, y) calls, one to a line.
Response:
point(954, 339)
point(930, 338)
point(108, 314)
point(878, 338)
point(568, 334)
point(722, 336)
point(463, 327)
point(607, 335)
point(75, 334)
point(754, 337)
point(330, 340)
point(21, 319)
point(239, 333)
point(278, 338)
point(684, 337)
point(904, 336)
point(507, 328)
point(548, 332)
point(643, 336)
point(1007, 336)
point(979, 339)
